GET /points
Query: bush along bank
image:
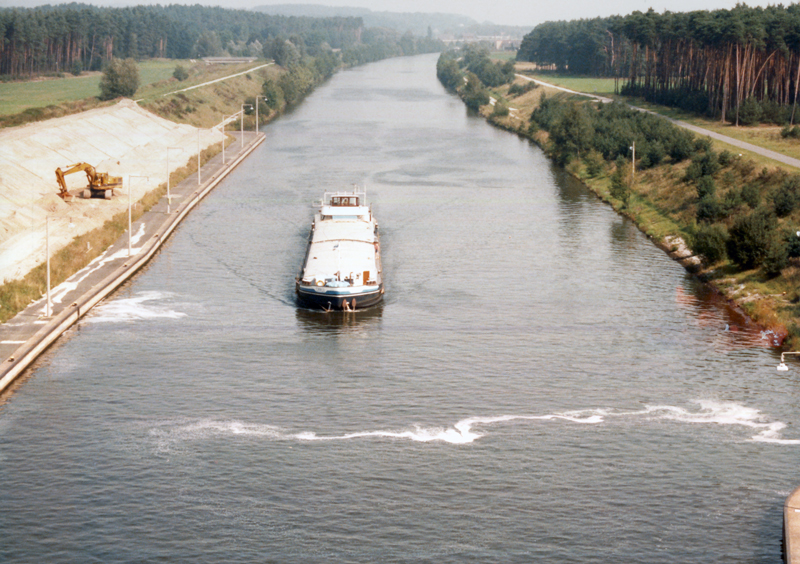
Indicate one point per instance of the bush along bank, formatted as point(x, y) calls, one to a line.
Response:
point(735, 225)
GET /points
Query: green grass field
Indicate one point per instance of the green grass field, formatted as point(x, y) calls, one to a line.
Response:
point(504, 55)
point(16, 97)
point(590, 85)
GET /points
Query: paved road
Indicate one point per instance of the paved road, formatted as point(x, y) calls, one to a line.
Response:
point(699, 130)
point(28, 334)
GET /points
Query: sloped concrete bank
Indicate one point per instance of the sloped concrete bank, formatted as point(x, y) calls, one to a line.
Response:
point(31, 332)
point(123, 140)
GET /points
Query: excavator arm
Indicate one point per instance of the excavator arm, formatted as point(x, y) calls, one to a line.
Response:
point(91, 175)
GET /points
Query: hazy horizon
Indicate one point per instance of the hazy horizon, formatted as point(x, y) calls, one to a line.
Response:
point(504, 12)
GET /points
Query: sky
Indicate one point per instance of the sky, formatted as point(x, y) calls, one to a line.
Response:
point(506, 12)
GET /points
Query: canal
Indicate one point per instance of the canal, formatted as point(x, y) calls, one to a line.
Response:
point(541, 384)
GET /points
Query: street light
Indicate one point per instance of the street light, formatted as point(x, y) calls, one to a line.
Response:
point(242, 111)
point(633, 162)
point(169, 196)
point(198, 156)
point(782, 366)
point(265, 99)
point(222, 130)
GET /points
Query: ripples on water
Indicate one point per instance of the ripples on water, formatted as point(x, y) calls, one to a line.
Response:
point(541, 383)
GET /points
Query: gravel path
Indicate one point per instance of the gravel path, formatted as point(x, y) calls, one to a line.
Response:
point(699, 130)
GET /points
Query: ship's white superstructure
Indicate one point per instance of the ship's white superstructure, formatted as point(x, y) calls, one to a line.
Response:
point(342, 268)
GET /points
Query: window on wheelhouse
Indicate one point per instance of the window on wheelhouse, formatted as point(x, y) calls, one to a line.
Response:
point(344, 200)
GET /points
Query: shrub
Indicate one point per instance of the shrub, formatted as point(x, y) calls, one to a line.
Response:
point(751, 195)
point(594, 163)
point(500, 109)
point(773, 112)
point(77, 68)
point(709, 162)
point(750, 238)
point(705, 187)
point(273, 94)
point(180, 73)
point(520, 89)
point(731, 202)
point(654, 154)
point(619, 187)
point(120, 78)
point(745, 166)
point(750, 112)
point(693, 172)
point(702, 145)
point(787, 197)
point(710, 242)
point(474, 99)
point(789, 132)
point(680, 146)
point(777, 257)
point(448, 72)
point(725, 158)
point(709, 209)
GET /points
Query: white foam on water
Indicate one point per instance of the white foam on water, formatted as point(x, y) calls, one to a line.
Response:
point(58, 293)
point(726, 413)
point(138, 308)
point(464, 431)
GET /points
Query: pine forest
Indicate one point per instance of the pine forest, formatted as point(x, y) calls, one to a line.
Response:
point(737, 65)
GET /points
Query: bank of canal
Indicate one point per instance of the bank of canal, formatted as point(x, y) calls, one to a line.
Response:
point(32, 331)
point(541, 383)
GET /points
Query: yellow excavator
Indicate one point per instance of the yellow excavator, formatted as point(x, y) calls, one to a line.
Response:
point(101, 185)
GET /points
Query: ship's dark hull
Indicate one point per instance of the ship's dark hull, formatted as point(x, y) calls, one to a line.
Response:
point(322, 297)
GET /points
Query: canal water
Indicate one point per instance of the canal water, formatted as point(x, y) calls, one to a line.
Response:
point(542, 384)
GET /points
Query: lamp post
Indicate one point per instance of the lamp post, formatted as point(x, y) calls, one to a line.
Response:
point(265, 99)
point(198, 156)
point(222, 130)
point(130, 190)
point(633, 163)
point(782, 366)
point(47, 253)
point(169, 196)
point(242, 112)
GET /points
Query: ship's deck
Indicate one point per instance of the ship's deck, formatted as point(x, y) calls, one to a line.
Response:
point(342, 249)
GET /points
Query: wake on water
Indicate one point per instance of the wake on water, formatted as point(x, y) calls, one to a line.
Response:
point(464, 431)
point(138, 308)
point(142, 307)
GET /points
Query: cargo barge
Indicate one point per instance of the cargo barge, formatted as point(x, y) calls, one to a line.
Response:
point(342, 266)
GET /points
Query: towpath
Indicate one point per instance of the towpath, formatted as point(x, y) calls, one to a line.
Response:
point(699, 130)
point(217, 80)
point(28, 334)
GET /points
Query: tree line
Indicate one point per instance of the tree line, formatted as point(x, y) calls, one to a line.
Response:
point(470, 71)
point(72, 37)
point(740, 65)
point(739, 214)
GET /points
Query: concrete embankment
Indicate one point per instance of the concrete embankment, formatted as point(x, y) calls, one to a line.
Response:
point(123, 140)
point(28, 334)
